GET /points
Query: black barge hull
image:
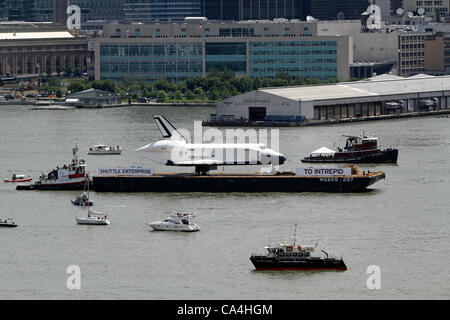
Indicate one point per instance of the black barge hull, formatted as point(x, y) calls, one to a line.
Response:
point(385, 156)
point(234, 183)
point(266, 263)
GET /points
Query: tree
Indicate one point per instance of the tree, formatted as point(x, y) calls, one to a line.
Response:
point(77, 86)
point(162, 96)
point(177, 96)
point(214, 94)
point(68, 70)
point(199, 94)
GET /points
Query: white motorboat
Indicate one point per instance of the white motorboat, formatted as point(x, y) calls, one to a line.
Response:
point(178, 222)
point(102, 149)
point(93, 218)
point(8, 223)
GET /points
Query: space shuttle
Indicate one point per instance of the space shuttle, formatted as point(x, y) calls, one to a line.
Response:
point(175, 150)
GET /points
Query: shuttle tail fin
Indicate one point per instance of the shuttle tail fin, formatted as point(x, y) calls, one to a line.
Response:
point(167, 129)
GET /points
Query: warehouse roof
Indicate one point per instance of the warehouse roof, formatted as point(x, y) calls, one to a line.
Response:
point(386, 85)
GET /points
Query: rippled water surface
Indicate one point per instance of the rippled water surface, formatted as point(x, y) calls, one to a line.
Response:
point(402, 225)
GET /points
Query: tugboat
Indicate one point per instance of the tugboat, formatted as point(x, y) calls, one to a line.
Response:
point(69, 177)
point(293, 256)
point(176, 222)
point(360, 149)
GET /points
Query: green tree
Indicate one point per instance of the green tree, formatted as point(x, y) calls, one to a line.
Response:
point(162, 96)
point(199, 94)
point(177, 96)
point(77, 86)
point(68, 70)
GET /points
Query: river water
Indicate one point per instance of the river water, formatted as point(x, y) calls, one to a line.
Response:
point(401, 225)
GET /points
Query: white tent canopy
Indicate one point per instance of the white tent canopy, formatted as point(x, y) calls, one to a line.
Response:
point(324, 151)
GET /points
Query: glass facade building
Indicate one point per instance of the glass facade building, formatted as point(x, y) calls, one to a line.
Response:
point(163, 10)
point(177, 51)
point(329, 9)
point(175, 62)
point(310, 59)
point(256, 9)
point(226, 55)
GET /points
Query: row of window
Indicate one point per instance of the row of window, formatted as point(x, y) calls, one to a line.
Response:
point(293, 53)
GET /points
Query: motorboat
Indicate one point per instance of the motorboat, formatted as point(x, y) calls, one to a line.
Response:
point(297, 256)
point(18, 178)
point(177, 222)
point(103, 149)
point(7, 223)
point(93, 218)
point(82, 200)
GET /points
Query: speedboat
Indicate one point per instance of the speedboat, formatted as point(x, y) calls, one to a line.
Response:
point(102, 149)
point(93, 218)
point(8, 223)
point(178, 222)
point(18, 178)
point(82, 200)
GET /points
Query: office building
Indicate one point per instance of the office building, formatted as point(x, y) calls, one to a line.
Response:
point(431, 7)
point(177, 51)
point(38, 49)
point(256, 9)
point(338, 9)
point(152, 10)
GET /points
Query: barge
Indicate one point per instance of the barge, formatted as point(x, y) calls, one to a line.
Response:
point(236, 182)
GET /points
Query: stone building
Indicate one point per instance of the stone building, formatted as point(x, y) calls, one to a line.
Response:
point(34, 49)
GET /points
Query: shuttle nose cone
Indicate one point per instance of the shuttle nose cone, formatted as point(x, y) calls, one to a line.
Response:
point(282, 159)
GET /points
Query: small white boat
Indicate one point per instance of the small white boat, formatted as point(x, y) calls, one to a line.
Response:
point(8, 223)
point(102, 149)
point(18, 178)
point(93, 218)
point(178, 222)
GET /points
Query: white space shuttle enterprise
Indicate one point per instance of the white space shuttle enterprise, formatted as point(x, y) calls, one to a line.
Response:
point(175, 150)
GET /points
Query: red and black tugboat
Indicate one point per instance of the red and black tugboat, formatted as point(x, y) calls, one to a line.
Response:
point(294, 256)
point(69, 177)
point(357, 150)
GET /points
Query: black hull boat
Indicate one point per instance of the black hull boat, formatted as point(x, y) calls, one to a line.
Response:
point(357, 150)
point(7, 223)
point(291, 263)
point(296, 256)
point(384, 156)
